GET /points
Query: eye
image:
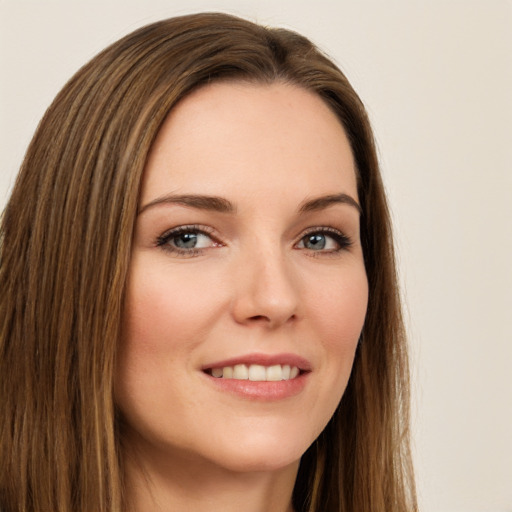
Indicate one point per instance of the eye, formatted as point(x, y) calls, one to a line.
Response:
point(186, 240)
point(190, 240)
point(324, 240)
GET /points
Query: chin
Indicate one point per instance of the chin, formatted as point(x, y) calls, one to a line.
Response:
point(260, 453)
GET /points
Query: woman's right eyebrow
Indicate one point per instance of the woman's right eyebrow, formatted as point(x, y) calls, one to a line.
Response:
point(201, 202)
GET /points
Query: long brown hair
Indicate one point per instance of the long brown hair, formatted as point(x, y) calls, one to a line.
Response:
point(65, 249)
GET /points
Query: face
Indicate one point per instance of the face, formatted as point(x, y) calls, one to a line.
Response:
point(247, 291)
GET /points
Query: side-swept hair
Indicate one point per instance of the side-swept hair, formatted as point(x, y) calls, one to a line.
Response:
point(66, 237)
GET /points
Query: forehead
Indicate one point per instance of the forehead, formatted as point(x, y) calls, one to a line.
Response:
point(231, 137)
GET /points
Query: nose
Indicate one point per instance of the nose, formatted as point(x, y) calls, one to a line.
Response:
point(266, 292)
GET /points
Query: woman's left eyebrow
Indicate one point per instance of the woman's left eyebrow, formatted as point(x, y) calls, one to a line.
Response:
point(322, 202)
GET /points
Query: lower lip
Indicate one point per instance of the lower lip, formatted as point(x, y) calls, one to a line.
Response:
point(261, 390)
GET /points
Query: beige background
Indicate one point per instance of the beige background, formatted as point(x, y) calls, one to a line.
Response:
point(436, 77)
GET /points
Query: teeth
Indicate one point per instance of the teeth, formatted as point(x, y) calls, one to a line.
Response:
point(256, 372)
point(274, 372)
point(240, 372)
point(217, 372)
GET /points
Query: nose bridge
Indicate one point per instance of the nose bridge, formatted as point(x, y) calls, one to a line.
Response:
point(266, 290)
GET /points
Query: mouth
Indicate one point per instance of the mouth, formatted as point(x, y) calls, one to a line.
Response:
point(255, 372)
point(260, 377)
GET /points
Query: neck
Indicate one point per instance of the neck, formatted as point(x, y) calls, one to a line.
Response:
point(184, 482)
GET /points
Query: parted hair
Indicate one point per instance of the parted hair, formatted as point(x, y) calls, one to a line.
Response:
point(66, 236)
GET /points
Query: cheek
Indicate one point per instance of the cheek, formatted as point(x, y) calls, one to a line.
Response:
point(168, 310)
point(339, 311)
point(340, 306)
point(167, 314)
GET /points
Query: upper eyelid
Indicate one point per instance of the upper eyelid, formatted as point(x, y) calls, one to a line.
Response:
point(189, 227)
point(325, 229)
point(170, 233)
point(322, 229)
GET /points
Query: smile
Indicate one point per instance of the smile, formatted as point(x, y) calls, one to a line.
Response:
point(255, 372)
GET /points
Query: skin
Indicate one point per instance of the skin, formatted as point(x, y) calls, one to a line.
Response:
point(253, 284)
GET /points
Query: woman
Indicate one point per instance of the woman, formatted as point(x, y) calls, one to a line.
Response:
point(199, 301)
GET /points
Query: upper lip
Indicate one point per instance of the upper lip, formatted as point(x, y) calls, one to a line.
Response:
point(263, 360)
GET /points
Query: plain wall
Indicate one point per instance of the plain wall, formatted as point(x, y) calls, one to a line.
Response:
point(437, 80)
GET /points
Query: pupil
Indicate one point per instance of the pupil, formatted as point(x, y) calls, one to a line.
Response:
point(186, 240)
point(315, 242)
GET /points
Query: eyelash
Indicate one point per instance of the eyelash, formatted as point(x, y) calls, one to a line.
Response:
point(164, 239)
point(343, 241)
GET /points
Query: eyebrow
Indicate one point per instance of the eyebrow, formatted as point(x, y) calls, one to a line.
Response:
point(222, 205)
point(320, 203)
point(210, 203)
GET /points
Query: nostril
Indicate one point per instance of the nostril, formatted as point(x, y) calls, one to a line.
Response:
point(270, 320)
point(259, 317)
